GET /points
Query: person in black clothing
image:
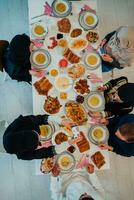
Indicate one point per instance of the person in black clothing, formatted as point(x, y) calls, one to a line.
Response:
point(119, 97)
point(121, 138)
point(17, 62)
point(117, 49)
point(22, 138)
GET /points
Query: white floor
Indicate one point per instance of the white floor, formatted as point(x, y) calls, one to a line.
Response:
point(18, 179)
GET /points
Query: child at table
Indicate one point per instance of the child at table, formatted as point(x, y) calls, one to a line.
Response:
point(117, 49)
point(77, 185)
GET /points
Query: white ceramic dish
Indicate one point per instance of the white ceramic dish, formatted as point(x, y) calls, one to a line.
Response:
point(61, 8)
point(42, 52)
point(94, 101)
point(92, 60)
point(39, 30)
point(63, 83)
point(98, 134)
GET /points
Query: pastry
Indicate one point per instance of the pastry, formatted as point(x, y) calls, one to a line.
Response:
point(52, 105)
point(76, 71)
point(61, 137)
point(64, 25)
point(43, 86)
point(70, 56)
point(98, 159)
point(81, 86)
point(83, 144)
point(76, 32)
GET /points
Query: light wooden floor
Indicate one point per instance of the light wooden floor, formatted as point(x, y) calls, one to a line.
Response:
point(18, 179)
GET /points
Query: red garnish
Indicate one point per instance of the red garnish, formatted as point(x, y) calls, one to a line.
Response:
point(63, 63)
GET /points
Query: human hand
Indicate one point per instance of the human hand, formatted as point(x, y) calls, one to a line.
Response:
point(107, 58)
point(105, 147)
point(95, 114)
point(104, 121)
point(101, 88)
point(68, 123)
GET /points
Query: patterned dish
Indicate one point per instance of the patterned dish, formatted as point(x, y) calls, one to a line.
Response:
point(98, 134)
point(40, 59)
point(61, 8)
point(94, 101)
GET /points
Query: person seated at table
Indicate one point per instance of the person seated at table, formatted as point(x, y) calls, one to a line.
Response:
point(17, 63)
point(15, 98)
point(121, 135)
point(22, 138)
point(3, 47)
point(119, 96)
point(117, 49)
point(76, 185)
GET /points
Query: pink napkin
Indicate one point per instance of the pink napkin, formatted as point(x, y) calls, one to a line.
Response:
point(87, 8)
point(45, 144)
point(37, 43)
point(83, 162)
point(37, 73)
point(47, 9)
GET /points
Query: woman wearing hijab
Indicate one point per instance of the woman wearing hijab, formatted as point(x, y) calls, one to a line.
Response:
point(119, 97)
point(17, 63)
point(117, 49)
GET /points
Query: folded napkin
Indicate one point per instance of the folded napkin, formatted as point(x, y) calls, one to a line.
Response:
point(83, 162)
point(38, 43)
point(37, 73)
point(87, 8)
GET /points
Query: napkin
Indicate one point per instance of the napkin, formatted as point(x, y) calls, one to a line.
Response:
point(37, 73)
point(47, 9)
point(87, 8)
point(83, 162)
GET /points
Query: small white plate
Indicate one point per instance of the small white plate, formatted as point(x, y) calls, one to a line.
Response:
point(61, 8)
point(52, 130)
point(33, 57)
point(39, 26)
point(66, 162)
point(63, 83)
point(99, 104)
point(101, 137)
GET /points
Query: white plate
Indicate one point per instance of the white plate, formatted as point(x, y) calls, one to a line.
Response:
point(69, 163)
point(54, 135)
point(42, 26)
point(67, 8)
point(52, 130)
point(98, 106)
point(84, 24)
point(46, 62)
point(64, 85)
point(77, 47)
point(104, 132)
point(94, 56)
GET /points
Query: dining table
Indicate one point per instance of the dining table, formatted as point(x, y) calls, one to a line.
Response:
point(66, 44)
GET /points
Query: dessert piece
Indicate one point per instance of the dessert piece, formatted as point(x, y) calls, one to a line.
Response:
point(43, 86)
point(82, 87)
point(76, 71)
point(61, 137)
point(62, 42)
point(64, 25)
point(63, 95)
point(52, 105)
point(47, 165)
point(70, 56)
point(83, 144)
point(78, 44)
point(80, 99)
point(98, 159)
point(76, 32)
point(90, 168)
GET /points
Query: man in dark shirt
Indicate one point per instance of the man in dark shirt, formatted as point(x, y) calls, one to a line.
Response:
point(121, 139)
point(22, 138)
